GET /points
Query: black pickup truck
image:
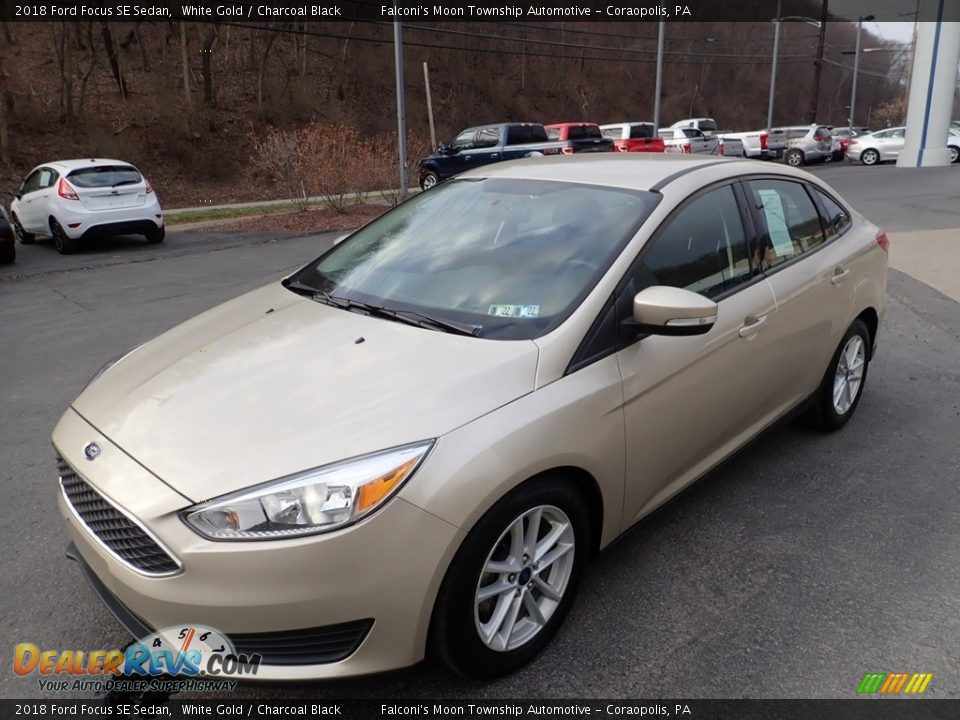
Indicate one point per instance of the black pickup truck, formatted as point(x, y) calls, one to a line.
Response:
point(483, 145)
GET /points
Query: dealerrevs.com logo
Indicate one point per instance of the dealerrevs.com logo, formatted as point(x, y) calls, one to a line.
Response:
point(190, 657)
point(894, 683)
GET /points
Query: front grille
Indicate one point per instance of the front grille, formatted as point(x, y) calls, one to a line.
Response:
point(129, 542)
point(311, 646)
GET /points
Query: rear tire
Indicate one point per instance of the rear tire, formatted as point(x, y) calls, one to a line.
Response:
point(23, 236)
point(64, 244)
point(538, 585)
point(156, 234)
point(793, 157)
point(842, 385)
point(870, 157)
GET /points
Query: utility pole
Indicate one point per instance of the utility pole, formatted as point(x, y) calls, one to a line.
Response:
point(856, 67)
point(818, 67)
point(433, 132)
point(401, 105)
point(773, 67)
point(659, 85)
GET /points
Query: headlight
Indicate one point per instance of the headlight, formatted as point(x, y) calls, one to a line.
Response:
point(326, 498)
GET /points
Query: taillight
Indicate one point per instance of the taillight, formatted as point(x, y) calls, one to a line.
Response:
point(883, 241)
point(622, 148)
point(149, 186)
point(763, 141)
point(65, 191)
point(853, 141)
point(567, 151)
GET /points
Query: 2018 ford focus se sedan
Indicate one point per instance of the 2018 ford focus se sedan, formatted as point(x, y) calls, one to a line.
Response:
point(414, 444)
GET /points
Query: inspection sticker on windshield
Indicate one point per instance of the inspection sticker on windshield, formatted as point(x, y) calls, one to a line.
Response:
point(514, 311)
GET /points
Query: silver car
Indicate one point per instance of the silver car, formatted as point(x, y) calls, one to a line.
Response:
point(885, 145)
point(807, 144)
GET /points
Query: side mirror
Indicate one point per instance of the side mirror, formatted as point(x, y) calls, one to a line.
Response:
point(340, 238)
point(16, 193)
point(661, 310)
point(447, 149)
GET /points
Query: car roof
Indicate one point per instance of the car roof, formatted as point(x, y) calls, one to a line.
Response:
point(86, 162)
point(633, 171)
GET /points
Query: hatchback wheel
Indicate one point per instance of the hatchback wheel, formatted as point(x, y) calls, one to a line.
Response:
point(429, 180)
point(156, 234)
point(954, 153)
point(512, 581)
point(61, 241)
point(870, 157)
point(842, 385)
point(22, 235)
point(793, 158)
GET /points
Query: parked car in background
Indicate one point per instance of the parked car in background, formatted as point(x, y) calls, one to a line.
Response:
point(807, 144)
point(759, 144)
point(485, 144)
point(8, 245)
point(633, 137)
point(72, 200)
point(497, 392)
point(578, 137)
point(842, 137)
point(694, 141)
point(885, 145)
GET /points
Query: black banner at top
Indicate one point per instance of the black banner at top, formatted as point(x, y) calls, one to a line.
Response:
point(469, 10)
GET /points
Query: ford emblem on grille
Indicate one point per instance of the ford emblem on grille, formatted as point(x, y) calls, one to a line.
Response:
point(91, 451)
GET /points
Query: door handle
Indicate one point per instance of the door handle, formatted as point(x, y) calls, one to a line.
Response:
point(839, 274)
point(495, 155)
point(752, 324)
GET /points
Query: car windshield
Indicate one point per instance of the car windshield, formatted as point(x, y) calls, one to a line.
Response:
point(104, 176)
point(512, 258)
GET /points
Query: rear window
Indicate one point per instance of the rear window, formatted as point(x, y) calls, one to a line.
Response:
point(583, 132)
point(641, 131)
point(525, 134)
point(708, 125)
point(104, 176)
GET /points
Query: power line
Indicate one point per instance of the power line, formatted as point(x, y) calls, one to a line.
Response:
point(498, 51)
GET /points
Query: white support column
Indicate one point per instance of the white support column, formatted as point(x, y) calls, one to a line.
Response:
point(932, 85)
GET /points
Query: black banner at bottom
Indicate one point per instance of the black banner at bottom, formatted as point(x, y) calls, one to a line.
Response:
point(860, 709)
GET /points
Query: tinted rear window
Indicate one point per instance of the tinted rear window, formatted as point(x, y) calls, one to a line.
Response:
point(104, 176)
point(524, 134)
point(641, 131)
point(583, 132)
point(708, 125)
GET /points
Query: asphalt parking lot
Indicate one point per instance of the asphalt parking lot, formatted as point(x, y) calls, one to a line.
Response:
point(801, 564)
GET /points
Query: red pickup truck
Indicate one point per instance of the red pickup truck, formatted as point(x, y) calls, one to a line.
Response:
point(577, 137)
point(633, 137)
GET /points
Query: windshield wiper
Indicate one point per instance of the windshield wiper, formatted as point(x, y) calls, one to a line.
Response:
point(298, 287)
point(411, 317)
point(125, 182)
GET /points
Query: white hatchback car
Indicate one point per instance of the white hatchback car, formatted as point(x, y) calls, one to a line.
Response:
point(71, 200)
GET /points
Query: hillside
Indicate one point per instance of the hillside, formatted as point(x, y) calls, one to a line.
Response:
point(185, 101)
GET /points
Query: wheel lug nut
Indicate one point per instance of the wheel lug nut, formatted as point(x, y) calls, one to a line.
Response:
point(512, 577)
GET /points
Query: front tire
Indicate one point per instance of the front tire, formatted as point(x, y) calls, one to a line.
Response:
point(512, 581)
point(870, 157)
point(64, 244)
point(429, 180)
point(842, 384)
point(793, 158)
point(23, 236)
point(954, 153)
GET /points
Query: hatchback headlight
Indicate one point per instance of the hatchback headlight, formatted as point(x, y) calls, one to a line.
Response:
point(319, 500)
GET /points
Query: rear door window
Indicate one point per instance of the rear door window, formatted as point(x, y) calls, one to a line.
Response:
point(488, 137)
point(104, 176)
point(526, 134)
point(789, 221)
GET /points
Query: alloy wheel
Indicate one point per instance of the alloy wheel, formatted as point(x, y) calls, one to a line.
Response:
point(524, 578)
point(849, 375)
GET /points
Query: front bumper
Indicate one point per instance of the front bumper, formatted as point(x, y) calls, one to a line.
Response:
point(385, 569)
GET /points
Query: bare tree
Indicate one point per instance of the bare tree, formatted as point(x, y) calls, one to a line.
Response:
point(188, 103)
point(206, 57)
point(113, 59)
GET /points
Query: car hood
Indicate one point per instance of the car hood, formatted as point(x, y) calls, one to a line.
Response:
point(273, 383)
